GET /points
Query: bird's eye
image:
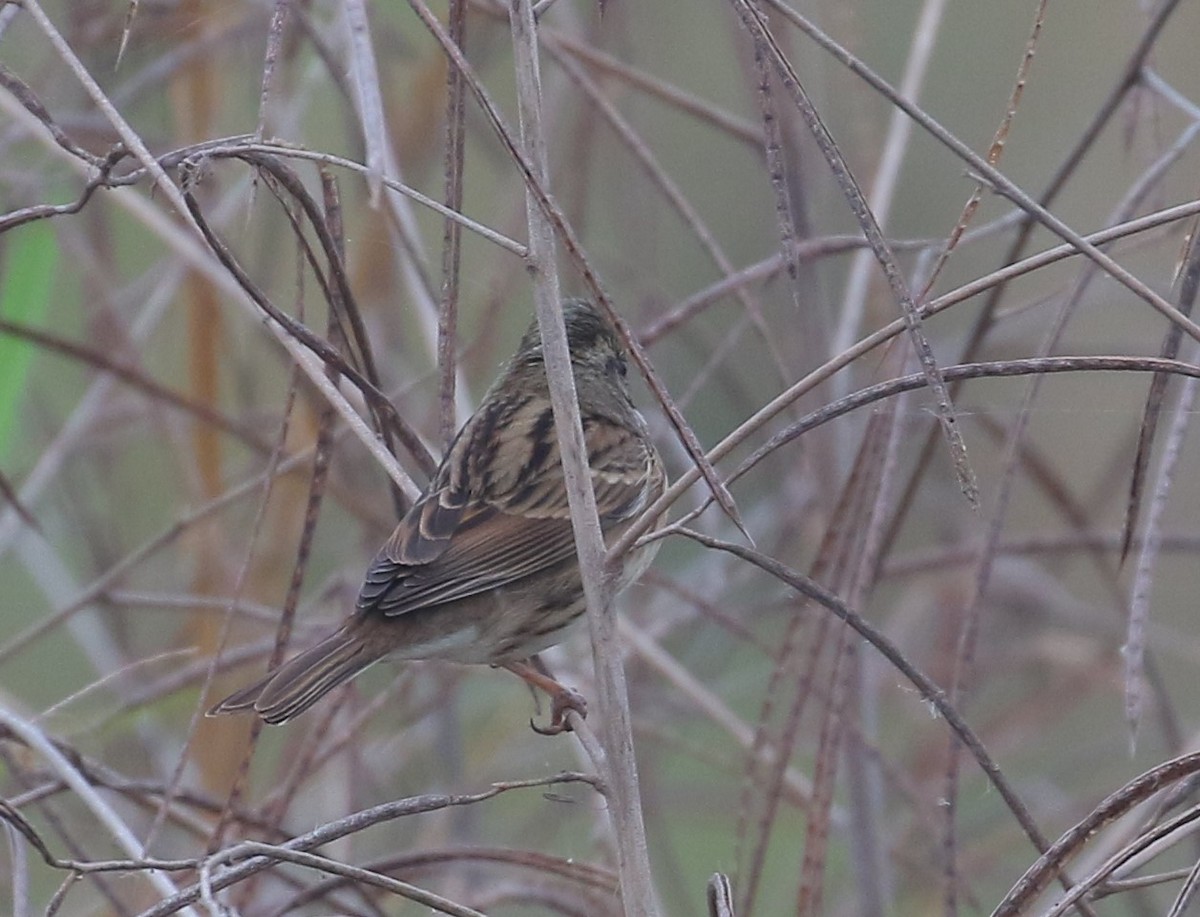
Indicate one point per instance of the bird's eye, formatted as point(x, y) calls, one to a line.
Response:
point(617, 365)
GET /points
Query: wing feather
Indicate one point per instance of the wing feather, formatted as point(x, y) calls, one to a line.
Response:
point(454, 545)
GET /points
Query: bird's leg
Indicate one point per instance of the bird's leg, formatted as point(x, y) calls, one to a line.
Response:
point(562, 699)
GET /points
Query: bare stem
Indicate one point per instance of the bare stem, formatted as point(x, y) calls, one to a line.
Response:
point(620, 770)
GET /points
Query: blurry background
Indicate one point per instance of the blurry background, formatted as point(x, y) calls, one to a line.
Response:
point(143, 407)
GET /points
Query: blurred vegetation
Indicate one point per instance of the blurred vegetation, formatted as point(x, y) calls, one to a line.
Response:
point(157, 445)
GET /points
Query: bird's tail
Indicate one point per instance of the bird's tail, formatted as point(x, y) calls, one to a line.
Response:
point(303, 680)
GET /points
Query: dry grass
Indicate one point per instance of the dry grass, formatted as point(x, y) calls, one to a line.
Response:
point(912, 298)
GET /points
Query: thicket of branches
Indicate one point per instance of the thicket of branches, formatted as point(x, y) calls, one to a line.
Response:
point(910, 288)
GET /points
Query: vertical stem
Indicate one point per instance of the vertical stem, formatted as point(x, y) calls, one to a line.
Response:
point(452, 231)
point(620, 776)
point(887, 175)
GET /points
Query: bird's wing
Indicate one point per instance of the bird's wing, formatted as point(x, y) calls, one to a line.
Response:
point(452, 546)
point(488, 551)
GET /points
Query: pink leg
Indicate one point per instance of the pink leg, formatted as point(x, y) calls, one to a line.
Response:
point(562, 699)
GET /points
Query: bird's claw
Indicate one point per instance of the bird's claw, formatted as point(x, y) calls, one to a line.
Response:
point(562, 701)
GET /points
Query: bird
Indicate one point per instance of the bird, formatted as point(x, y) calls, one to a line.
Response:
point(483, 568)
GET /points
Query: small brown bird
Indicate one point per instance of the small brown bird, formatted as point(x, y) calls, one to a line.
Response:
point(483, 568)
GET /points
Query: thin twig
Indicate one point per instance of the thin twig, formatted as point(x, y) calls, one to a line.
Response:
point(773, 407)
point(624, 797)
point(104, 813)
point(342, 827)
point(999, 182)
point(756, 23)
point(929, 691)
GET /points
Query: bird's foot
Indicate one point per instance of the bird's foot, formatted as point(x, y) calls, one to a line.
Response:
point(563, 701)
